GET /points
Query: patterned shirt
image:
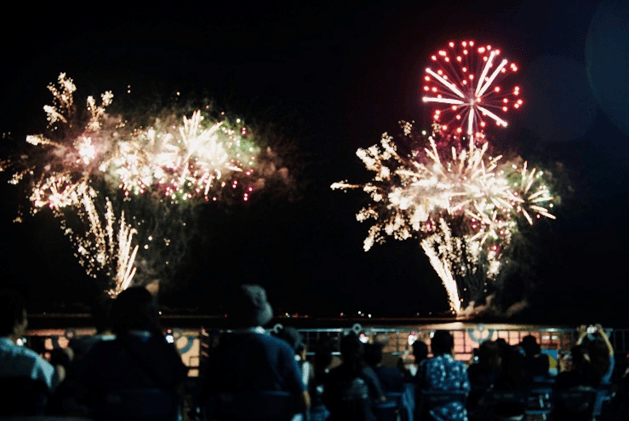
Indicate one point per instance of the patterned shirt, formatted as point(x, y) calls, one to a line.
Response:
point(443, 372)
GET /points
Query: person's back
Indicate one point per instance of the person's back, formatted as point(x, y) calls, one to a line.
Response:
point(484, 373)
point(352, 387)
point(391, 378)
point(26, 379)
point(135, 360)
point(251, 360)
point(443, 373)
point(536, 364)
point(16, 360)
point(139, 357)
point(100, 316)
point(248, 359)
point(347, 395)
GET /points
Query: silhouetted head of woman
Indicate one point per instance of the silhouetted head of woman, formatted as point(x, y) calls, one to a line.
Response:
point(134, 310)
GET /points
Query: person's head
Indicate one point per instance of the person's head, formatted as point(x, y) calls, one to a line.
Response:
point(598, 353)
point(504, 348)
point(489, 355)
point(249, 306)
point(13, 321)
point(420, 351)
point(352, 349)
point(374, 354)
point(442, 343)
point(134, 309)
point(294, 339)
point(530, 346)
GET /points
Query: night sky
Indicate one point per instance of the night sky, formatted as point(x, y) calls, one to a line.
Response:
point(331, 77)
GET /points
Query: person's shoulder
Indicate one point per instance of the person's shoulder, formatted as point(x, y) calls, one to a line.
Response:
point(459, 363)
point(100, 346)
point(272, 341)
point(29, 353)
point(27, 357)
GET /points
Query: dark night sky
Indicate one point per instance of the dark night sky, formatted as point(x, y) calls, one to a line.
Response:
point(332, 77)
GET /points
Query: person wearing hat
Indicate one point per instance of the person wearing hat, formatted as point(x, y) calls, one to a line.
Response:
point(250, 360)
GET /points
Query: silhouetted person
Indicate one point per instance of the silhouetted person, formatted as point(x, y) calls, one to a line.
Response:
point(391, 378)
point(443, 372)
point(17, 360)
point(484, 373)
point(295, 340)
point(536, 364)
point(139, 357)
point(352, 389)
point(249, 359)
point(100, 310)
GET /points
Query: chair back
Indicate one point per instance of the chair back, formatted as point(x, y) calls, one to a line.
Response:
point(22, 396)
point(387, 411)
point(506, 404)
point(574, 404)
point(136, 405)
point(431, 399)
point(352, 402)
point(253, 406)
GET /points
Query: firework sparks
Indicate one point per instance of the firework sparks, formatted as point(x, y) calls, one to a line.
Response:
point(173, 162)
point(186, 159)
point(464, 78)
point(105, 243)
point(464, 205)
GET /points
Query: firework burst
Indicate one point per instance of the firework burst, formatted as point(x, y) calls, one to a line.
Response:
point(464, 205)
point(131, 189)
point(463, 82)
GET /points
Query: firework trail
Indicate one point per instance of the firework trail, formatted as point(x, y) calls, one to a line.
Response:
point(464, 205)
point(463, 82)
point(105, 244)
point(118, 180)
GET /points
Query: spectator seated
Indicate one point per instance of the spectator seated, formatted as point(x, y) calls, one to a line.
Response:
point(139, 364)
point(442, 373)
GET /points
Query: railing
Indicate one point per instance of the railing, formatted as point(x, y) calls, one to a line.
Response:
point(467, 337)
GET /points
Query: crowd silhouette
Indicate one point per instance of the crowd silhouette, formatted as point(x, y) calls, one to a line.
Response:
point(128, 370)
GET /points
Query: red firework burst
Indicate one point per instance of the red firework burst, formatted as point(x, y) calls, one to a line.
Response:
point(463, 83)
